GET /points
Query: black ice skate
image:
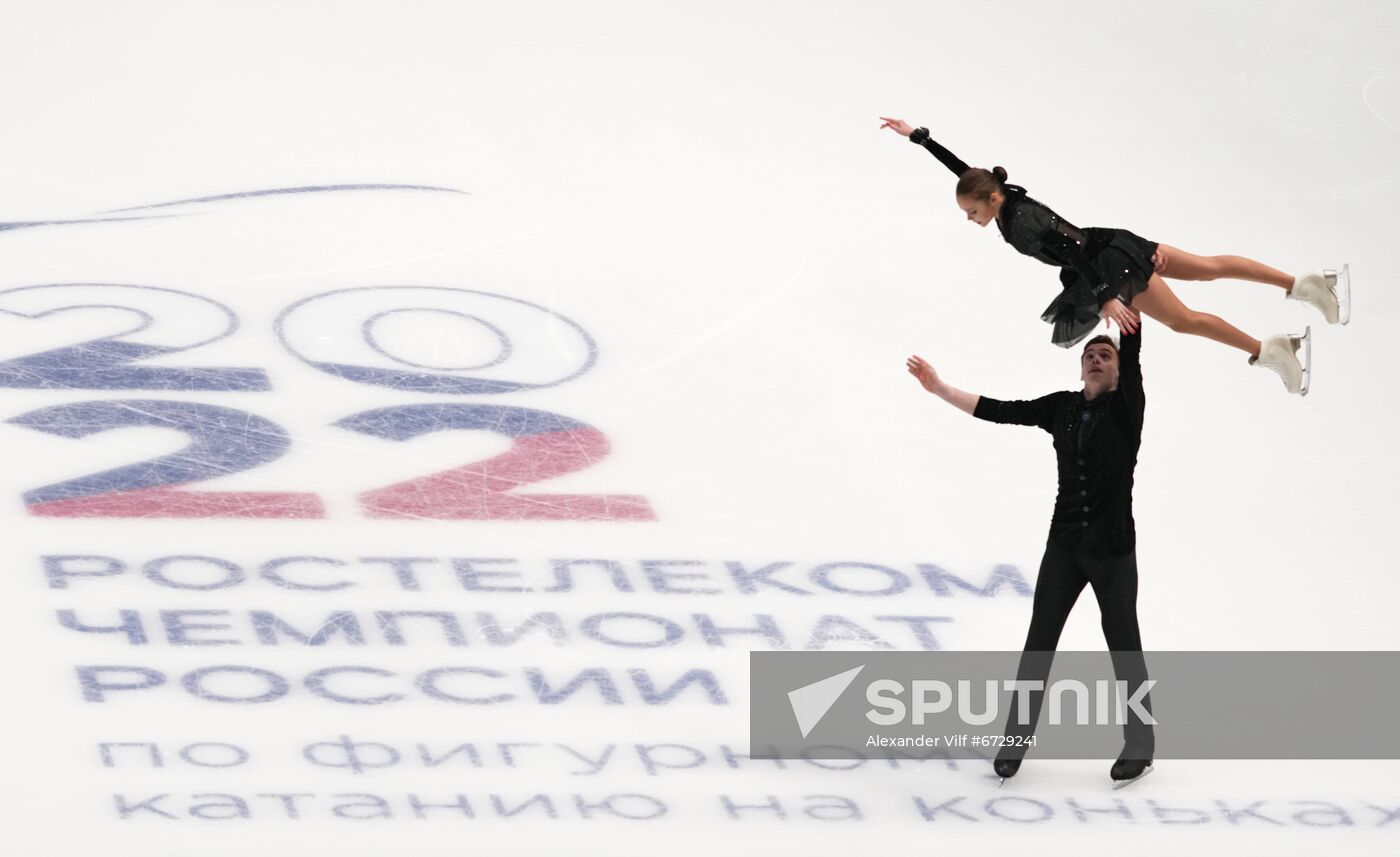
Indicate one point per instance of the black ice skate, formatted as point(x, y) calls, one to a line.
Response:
point(1126, 771)
point(1006, 769)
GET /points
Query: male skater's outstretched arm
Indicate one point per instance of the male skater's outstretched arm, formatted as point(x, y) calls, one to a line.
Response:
point(1036, 412)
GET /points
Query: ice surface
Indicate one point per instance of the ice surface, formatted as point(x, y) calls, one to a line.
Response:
point(657, 265)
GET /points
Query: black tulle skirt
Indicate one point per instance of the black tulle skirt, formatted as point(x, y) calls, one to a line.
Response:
point(1121, 259)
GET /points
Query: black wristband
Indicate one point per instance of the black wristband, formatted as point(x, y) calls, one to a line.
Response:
point(918, 135)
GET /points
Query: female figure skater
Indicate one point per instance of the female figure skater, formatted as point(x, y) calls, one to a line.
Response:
point(1104, 271)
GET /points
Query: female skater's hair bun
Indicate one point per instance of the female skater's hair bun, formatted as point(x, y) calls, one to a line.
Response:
point(980, 184)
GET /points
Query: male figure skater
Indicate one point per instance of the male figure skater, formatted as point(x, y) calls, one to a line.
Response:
point(1097, 432)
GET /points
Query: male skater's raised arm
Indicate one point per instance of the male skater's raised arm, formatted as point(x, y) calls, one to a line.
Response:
point(1035, 412)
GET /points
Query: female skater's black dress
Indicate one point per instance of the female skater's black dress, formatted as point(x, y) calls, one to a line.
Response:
point(1096, 264)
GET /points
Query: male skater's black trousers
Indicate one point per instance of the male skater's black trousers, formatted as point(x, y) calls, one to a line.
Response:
point(1063, 575)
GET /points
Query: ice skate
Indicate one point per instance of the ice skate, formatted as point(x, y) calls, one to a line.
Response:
point(1280, 353)
point(1006, 769)
point(1127, 771)
point(1329, 291)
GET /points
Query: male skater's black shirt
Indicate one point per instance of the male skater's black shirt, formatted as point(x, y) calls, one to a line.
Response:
point(1096, 444)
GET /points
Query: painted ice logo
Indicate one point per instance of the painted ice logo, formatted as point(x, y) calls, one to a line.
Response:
point(811, 702)
point(433, 340)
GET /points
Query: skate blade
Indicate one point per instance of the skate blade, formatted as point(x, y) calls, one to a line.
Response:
point(1306, 339)
point(1340, 281)
point(1118, 784)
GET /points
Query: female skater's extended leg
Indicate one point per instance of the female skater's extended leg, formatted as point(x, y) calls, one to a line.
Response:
point(1188, 266)
point(1278, 353)
point(1161, 303)
point(1326, 290)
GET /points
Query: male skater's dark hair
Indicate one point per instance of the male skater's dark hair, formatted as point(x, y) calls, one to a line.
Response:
point(1101, 339)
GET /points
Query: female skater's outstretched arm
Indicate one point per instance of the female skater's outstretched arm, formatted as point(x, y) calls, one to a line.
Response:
point(921, 136)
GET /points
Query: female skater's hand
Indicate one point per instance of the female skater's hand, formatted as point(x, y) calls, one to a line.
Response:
point(899, 125)
point(1124, 316)
point(1159, 261)
point(920, 369)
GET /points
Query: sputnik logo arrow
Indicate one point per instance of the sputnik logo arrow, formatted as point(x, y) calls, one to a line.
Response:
point(810, 703)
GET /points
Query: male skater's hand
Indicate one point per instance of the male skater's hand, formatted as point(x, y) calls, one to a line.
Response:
point(898, 125)
point(1120, 313)
point(921, 370)
point(1159, 261)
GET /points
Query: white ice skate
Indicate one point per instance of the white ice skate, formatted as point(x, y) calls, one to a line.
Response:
point(1329, 291)
point(1280, 353)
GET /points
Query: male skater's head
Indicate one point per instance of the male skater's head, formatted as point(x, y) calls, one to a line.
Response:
point(1098, 367)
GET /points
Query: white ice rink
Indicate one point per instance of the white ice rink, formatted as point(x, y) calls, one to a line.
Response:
point(658, 265)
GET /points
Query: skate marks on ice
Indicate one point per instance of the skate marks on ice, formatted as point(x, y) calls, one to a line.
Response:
point(99, 217)
point(287, 191)
point(718, 330)
point(1381, 95)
